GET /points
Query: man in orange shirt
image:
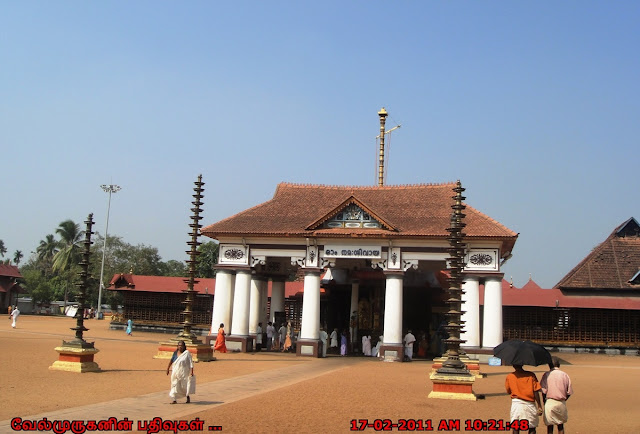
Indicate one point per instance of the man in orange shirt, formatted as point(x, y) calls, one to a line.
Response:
point(524, 389)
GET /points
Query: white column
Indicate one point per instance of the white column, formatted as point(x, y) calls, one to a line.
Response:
point(471, 311)
point(255, 305)
point(492, 324)
point(277, 299)
point(393, 310)
point(310, 329)
point(240, 324)
point(222, 300)
point(355, 287)
point(229, 321)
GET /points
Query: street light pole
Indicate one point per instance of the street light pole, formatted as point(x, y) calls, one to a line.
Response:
point(107, 189)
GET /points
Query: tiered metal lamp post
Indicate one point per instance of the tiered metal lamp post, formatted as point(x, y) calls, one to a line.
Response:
point(452, 380)
point(200, 351)
point(77, 355)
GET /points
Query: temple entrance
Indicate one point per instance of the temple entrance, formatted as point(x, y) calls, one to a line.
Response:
point(423, 304)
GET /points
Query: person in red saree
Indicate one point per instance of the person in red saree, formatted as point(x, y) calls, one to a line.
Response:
point(220, 345)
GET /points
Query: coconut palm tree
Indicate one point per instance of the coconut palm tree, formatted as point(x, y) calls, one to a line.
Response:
point(70, 239)
point(47, 248)
point(17, 256)
point(3, 249)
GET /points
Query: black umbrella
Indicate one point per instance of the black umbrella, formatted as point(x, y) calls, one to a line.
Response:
point(517, 352)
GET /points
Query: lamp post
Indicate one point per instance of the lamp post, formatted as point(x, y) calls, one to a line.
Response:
point(107, 189)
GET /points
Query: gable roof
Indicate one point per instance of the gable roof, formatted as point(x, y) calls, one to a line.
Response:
point(421, 210)
point(351, 200)
point(611, 265)
point(8, 270)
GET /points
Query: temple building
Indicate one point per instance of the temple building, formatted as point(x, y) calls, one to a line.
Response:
point(378, 254)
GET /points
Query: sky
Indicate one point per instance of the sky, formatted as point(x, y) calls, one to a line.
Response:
point(534, 106)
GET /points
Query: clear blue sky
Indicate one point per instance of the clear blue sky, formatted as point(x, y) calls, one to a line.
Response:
point(534, 106)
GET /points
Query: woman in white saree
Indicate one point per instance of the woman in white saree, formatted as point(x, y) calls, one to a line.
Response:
point(182, 369)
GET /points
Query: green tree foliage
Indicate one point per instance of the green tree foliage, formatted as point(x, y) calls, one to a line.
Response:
point(207, 259)
point(174, 268)
point(3, 249)
point(46, 251)
point(17, 257)
point(70, 239)
point(38, 286)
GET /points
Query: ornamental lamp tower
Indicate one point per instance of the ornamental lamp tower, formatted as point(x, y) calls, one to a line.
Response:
point(200, 351)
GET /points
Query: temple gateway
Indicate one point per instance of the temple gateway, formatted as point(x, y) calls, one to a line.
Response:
point(373, 260)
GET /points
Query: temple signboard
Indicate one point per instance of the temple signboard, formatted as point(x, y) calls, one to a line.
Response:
point(352, 251)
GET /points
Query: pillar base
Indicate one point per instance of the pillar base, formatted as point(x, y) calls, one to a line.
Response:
point(244, 344)
point(392, 352)
point(199, 352)
point(473, 365)
point(308, 348)
point(75, 359)
point(457, 387)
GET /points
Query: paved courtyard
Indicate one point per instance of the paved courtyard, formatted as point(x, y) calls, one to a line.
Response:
point(275, 392)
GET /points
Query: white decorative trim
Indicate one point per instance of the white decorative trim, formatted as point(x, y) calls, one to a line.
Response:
point(297, 261)
point(312, 256)
point(255, 260)
point(393, 258)
point(482, 260)
point(408, 264)
point(236, 254)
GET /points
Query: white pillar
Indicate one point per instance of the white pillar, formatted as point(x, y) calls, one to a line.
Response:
point(229, 320)
point(353, 328)
point(222, 300)
point(393, 310)
point(255, 305)
point(240, 324)
point(310, 329)
point(492, 324)
point(277, 299)
point(471, 311)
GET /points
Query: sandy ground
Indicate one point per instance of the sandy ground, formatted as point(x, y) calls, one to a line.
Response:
point(605, 400)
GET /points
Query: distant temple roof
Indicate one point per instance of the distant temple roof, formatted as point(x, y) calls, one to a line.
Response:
point(421, 210)
point(135, 282)
point(612, 265)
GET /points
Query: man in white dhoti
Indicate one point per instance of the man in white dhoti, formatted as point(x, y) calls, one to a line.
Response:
point(15, 313)
point(366, 345)
point(556, 388)
point(259, 337)
point(323, 339)
point(524, 389)
point(181, 373)
point(334, 340)
point(409, 339)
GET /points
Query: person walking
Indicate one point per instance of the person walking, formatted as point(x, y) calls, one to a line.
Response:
point(129, 327)
point(556, 389)
point(182, 373)
point(221, 341)
point(259, 337)
point(524, 389)
point(15, 313)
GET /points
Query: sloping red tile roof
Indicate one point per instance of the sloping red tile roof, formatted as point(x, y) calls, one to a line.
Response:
point(421, 210)
point(611, 265)
point(532, 295)
point(9, 270)
point(138, 283)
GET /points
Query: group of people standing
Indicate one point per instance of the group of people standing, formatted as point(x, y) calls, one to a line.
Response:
point(527, 402)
